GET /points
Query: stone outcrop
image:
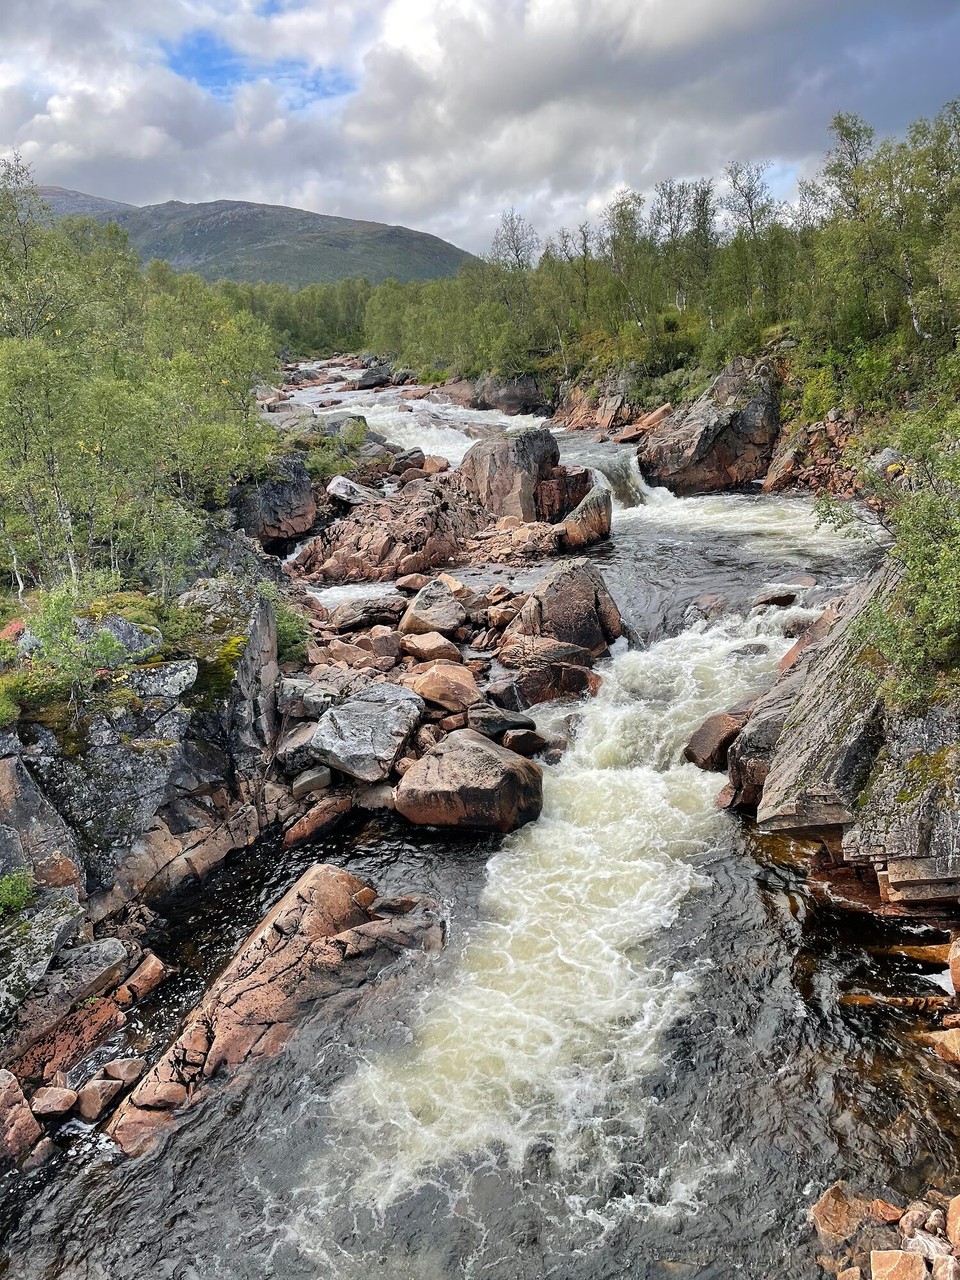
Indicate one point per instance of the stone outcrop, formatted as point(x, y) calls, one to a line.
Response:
point(281, 507)
point(166, 785)
point(724, 440)
point(328, 936)
point(823, 757)
point(906, 823)
point(468, 780)
point(519, 474)
point(831, 733)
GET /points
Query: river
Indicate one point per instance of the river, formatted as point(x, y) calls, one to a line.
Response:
point(632, 1058)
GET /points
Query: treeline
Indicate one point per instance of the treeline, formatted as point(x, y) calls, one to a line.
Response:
point(126, 401)
point(701, 269)
point(864, 268)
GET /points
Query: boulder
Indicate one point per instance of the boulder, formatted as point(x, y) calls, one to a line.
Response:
point(18, 1127)
point(509, 395)
point(504, 472)
point(311, 780)
point(96, 1095)
point(839, 1214)
point(894, 1264)
point(125, 641)
point(430, 646)
point(708, 747)
point(327, 936)
point(320, 818)
point(375, 376)
point(353, 494)
point(590, 521)
point(294, 755)
point(51, 1103)
point(449, 685)
point(368, 611)
point(469, 781)
point(433, 609)
point(281, 507)
point(126, 1070)
point(493, 722)
point(724, 440)
point(363, 736)
point(526, 742)
point(572, 605)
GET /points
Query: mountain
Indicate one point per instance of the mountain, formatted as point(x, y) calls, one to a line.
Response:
point(236, 240)
point(63, 202)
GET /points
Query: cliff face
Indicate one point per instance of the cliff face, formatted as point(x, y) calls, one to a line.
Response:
point(119, 803)
point(823, 757)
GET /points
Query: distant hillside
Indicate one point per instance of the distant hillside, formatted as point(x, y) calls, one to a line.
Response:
point(64, 202)
point(236, 240)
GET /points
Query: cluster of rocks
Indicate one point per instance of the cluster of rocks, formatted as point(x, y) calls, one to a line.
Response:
point(813, 456)
point(875, 1239)
point(509, 499)
point(414, 702)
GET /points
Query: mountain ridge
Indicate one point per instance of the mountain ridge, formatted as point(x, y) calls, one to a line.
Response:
point(247, 241)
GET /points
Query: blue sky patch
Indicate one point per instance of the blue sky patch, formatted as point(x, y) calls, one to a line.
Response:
point(211, 63)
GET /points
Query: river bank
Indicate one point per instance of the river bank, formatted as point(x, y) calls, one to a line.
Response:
point(631, 1057)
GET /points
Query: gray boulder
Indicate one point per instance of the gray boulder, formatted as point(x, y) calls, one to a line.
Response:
point(281, 507)
point(364, 735)
point(346, 490)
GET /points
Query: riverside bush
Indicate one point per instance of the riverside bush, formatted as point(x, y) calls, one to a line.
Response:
point(16, 890)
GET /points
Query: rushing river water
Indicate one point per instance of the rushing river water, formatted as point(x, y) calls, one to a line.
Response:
point(631, 1060)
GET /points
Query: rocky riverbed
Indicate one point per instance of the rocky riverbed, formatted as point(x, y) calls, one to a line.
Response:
point(502, 1100)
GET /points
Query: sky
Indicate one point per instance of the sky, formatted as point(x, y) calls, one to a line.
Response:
point(439, 114)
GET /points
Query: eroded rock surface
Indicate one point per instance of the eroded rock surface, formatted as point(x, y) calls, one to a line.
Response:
point(322, 941)
point(724, 440)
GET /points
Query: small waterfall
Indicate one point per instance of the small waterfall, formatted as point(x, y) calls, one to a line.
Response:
point(620, 473)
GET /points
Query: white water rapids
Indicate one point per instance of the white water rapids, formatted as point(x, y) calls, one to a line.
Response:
point(553, 1002)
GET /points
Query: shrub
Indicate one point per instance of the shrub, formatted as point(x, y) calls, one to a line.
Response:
point(16, 890)
point(292, 634)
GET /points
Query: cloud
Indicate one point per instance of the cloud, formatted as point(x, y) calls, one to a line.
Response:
point(439, 113)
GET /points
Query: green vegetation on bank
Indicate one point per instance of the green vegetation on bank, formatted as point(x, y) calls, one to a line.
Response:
point(127, 413)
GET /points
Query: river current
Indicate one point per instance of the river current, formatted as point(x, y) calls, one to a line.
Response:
point(631, 1060)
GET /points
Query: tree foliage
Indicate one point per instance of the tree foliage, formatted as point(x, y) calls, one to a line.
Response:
point(126, 400)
